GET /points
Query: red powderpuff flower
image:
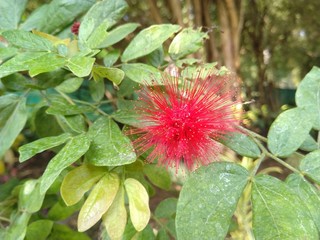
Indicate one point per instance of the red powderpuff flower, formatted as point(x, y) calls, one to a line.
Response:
point(183, 121)
point(75, 28)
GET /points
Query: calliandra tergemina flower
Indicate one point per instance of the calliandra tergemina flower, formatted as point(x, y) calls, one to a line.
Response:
point(181, 121)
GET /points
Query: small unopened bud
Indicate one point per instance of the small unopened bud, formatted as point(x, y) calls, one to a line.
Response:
point(75, 28)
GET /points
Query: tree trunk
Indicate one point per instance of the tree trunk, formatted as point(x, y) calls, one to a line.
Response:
point(155, 14)
point(230, 15)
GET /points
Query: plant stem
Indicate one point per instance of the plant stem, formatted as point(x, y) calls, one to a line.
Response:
point(72, 102)
point(162, 225)
point(93, 105)
point(4, 219)
point(283, 163)
point(265, 152)
point(256, 167)
point(65, 96)
point(253, 134)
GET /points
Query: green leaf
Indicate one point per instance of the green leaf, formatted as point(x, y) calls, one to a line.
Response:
point(79, 181)
point(109, 146)
point(6, 53)
point(309, 144)
point(288, 131)
point(35, 62)
point(141, 73)
point(55, 188)
point(138, 203)
point(18, 228)
point(106, 10)
point(162, 235)
point(56, 15)
point(309, 195)
point(48, 79)
point(60, 106)
point(39, 230)
point(11, 12)
point(242, 144)
point(115, 219)
point(128, 88)
point(46, 63)
point(74, 124)
point(166, 208)
point(97, 89)
point(59, 211)
point(186, 42)
point(278, 213)
point(118, 34)
point(13, 116)
point(35, 19)
point(126, 116)
point(71, 152)
point(115, 75)
point(310, 165)
point(15, 82)
point(111, 58)
point(208, 200)
point(40, 145)
point(30, 198)
point(307, 95)
point(7, 187)
point(148, 40)
point(99, 201)
point(28, 41)
point(146, 233)
point(63, 232)
point(80, 66)
point(156, 57)
point(98, 35)
point(203, 70)
point(20, 62)
point(41, 120)
point(70, 85)
point(129, 231)
point(171, 225)
point(158, 175)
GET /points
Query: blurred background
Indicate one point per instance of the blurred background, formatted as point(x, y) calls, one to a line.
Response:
point(269, 45)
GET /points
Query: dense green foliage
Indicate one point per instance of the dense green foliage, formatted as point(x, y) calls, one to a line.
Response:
point(74, 95)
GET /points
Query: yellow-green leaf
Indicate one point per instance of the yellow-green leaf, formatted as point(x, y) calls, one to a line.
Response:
point(115, 219)
point(113, 74)
point(138, 203)
point(80, 66)
point(98, 202)
point(78, 181)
